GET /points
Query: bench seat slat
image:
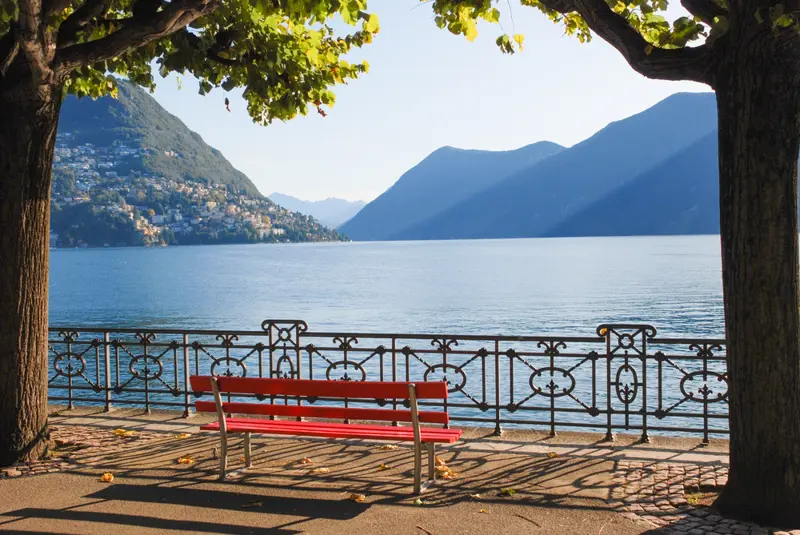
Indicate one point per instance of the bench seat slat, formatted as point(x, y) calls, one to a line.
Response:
point(335, 430)
point(320, 388)
point(335, 413)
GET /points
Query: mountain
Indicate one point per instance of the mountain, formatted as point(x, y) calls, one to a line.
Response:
point(445, 178)
point(126, 172)
point(678, 196)
point(331, 212)
point(538, 198)
point(136, 119)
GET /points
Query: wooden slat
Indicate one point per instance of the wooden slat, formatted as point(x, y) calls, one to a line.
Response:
point(257, 423)
point(334, 413)
point(324, 388)
point(314, 429)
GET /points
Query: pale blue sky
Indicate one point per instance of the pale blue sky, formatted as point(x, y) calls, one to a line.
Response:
point(427, 88)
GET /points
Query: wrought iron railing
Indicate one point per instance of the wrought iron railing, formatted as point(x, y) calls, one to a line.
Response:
point(621, 378)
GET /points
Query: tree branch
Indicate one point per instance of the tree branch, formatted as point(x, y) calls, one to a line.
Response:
point(31, 37)
point(705, 10)
point(82, 16)
point(175, 16)
point(9, 48)
point(688, 63)
point(211, 53)
point(52, 7)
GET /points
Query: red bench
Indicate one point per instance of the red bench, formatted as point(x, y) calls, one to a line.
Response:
point(352, 390)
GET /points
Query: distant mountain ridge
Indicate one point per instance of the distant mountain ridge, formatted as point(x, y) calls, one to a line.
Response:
point(646, 173)
point(677, 197)
point(536, 199)
point(331, 212)
point(443, 179)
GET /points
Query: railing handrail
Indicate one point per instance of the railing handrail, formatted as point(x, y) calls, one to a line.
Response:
point(377, 334)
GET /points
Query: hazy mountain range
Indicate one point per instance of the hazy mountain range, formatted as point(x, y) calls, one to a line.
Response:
point(651, 173)
point(441, 181)
point(331, 212)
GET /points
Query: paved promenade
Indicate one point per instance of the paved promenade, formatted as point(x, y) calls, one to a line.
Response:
point(523, 482)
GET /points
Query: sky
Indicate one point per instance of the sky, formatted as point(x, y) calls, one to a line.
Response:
point(426, 89)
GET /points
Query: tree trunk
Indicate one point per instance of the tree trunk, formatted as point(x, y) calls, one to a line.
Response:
point(29, 115)
point(758, 100)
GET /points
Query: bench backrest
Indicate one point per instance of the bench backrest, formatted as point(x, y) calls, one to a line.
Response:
point(304, 388)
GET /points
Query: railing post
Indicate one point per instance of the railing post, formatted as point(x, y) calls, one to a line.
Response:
point(645, 435)
point(394, 372)
point(609, 431)
point(497, 429)
point(186, 372)
point(69, 374)
point(107, 364)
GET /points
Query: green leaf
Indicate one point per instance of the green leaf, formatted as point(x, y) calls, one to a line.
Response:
point(372, 25)
point(471, 30)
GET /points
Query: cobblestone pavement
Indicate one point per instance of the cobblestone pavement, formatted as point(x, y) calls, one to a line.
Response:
point(659, 495)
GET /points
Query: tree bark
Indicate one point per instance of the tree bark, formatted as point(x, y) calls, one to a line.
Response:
point(758, 100)
point(29, 112)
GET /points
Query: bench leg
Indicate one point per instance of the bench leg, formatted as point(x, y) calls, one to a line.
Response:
point(223, 456)
point(417, 468)
point(431, 462)
point(248, 461)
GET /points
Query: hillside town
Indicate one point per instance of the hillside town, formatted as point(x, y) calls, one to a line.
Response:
point(104, 196)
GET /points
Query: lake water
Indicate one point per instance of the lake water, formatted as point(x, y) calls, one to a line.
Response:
point(524, 286)
point(532, 287)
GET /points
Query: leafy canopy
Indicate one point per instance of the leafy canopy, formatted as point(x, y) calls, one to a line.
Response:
point(284, 54)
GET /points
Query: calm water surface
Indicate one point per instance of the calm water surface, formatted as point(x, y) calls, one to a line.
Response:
point(526, 286)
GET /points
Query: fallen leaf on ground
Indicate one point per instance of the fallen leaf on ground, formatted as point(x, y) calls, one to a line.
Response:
point(108, 477)
point(321, 470)
point(507, 492)
point(305, 460)
point(484, 511)
point(185, 460)
point(124, 433)
point(383, 467)
point(445, 472)
point(181, 436)
point(475, 496)
point(357, 498)
point(243, 459)
point(419, 501)
point(254, 503)
point(552, 455)
point(440, 461)
point(389, 447)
